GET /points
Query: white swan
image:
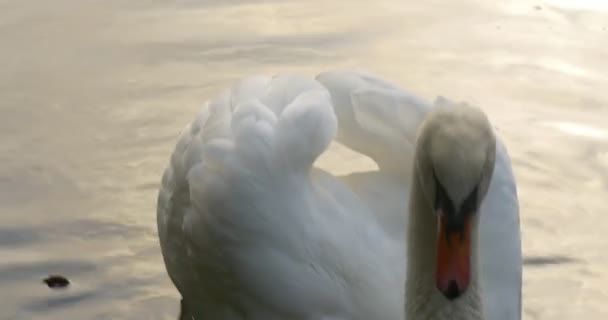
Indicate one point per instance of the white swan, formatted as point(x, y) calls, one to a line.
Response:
point(249, 230)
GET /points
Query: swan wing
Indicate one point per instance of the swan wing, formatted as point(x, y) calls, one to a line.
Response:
point(249, 231)
point(376, 118)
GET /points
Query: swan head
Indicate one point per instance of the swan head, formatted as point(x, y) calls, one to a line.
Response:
point(455, 162)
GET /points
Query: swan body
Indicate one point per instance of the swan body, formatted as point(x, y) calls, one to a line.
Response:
point(249, 229)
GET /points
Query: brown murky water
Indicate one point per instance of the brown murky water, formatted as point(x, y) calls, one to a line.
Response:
point(94, 92)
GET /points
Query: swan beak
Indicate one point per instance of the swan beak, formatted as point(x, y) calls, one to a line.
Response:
point(453, 271)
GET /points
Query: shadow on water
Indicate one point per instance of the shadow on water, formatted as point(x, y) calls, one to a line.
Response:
point(545, 261)
point(15, 236)
point(46, 304)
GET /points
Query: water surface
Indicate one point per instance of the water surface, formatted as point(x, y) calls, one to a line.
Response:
point(94, 92)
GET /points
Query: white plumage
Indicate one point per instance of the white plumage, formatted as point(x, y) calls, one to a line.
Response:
point(250, 230)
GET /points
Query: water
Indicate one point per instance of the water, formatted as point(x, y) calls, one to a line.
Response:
point(94, 92)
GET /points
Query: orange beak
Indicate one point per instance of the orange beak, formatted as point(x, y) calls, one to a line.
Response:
point(453, 273)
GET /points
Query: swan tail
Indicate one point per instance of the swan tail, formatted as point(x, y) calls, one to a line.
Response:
point(376, 118)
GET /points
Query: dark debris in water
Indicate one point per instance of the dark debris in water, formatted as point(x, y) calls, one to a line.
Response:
point(56, 282)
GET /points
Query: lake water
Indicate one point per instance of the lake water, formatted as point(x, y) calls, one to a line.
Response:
point(94, 92)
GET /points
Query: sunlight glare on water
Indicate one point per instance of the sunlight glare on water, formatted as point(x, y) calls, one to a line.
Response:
point(579, 129)
point(581, 4)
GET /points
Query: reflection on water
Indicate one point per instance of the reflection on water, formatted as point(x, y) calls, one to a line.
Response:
point(93, 93)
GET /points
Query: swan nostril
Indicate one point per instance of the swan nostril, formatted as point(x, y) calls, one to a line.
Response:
point(453, 291)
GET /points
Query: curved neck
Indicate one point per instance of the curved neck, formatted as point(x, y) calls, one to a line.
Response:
point(423, 300)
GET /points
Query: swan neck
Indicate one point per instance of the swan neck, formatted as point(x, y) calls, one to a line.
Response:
point(423, 300)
